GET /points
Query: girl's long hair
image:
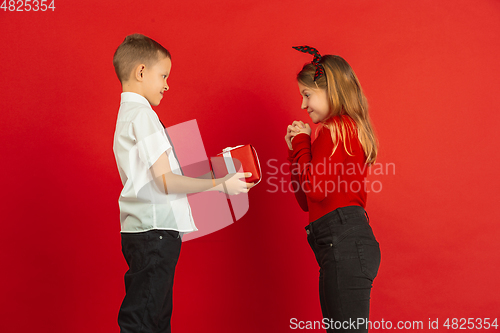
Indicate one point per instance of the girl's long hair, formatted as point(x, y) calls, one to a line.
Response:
point(345, 97)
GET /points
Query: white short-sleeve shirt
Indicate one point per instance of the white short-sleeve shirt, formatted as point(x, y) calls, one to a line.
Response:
point(139, 141)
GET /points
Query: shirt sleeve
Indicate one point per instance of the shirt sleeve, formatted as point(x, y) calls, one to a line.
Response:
point(300, 196)
point(310, 181)
point(151, 140)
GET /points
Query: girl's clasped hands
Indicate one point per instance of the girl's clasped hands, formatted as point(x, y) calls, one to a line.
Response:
point(294, 129)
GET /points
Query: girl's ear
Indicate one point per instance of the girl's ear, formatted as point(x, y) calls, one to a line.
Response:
point(139, 72)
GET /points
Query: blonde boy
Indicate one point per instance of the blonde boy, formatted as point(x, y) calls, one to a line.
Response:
point(154, 210)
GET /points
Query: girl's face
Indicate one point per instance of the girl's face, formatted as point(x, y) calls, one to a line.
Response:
point(315, 101)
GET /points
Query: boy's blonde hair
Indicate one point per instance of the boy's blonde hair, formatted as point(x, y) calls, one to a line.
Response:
point(345, 97)
point(134, 50)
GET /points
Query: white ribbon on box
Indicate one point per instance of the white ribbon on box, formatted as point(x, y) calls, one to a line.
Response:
point(228, 159)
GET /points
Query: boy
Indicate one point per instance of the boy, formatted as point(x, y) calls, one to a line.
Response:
point(154, 210)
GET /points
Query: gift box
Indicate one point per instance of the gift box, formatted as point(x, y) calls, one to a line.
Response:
point(237, 159)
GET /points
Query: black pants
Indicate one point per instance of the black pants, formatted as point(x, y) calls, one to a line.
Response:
point(151, 257)
point(349, 257)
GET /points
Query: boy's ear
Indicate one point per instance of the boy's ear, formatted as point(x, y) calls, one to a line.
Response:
point(139, 72)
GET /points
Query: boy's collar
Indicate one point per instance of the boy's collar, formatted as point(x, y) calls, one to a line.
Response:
point(134, 97)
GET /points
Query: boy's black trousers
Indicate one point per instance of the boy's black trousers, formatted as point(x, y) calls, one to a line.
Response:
point(151, 257)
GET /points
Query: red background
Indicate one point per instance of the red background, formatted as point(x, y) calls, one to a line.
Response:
point(430, 71)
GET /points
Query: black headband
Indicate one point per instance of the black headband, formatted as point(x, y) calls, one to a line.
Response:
point(317, 57)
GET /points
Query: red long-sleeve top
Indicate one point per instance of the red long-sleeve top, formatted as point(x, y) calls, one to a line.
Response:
point(322, 183)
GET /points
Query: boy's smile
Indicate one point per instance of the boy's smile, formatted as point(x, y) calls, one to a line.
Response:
point(155, 80)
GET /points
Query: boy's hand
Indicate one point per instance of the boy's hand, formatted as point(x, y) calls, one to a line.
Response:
point(170, 183)
point(232, 184)
point(295, 128)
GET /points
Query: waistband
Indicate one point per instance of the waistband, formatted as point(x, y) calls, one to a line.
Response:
point(340, 215)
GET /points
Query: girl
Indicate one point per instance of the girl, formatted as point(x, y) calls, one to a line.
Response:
point(329, 178)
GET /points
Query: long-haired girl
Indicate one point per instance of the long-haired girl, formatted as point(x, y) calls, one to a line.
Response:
point(329, 178)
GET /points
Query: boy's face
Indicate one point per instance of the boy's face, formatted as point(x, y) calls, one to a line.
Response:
point(155, 80)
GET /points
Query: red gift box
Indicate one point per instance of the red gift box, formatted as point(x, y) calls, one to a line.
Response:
point(235, 159)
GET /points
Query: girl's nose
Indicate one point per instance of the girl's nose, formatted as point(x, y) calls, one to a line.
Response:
point(304, 104)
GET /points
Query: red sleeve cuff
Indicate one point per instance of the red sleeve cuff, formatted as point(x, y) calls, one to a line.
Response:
point(290, 155)
point(299, 142)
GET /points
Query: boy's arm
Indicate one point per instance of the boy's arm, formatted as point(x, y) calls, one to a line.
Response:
point(208, 175)
point(172, 183)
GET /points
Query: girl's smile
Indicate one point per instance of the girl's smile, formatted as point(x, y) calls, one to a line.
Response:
point(315, 101)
